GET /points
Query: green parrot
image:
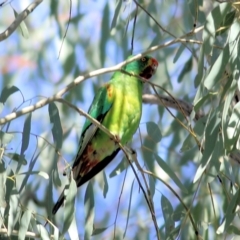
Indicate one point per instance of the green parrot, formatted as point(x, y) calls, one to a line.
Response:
point(117, 106)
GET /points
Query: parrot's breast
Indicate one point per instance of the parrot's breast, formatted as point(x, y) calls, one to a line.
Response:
point(124, 116)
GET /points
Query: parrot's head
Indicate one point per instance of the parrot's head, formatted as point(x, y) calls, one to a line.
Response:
point(144, 67)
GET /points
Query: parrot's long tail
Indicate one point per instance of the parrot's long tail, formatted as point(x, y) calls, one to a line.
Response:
point(59, 203)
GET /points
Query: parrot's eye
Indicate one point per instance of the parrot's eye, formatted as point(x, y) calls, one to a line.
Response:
point(143, 59)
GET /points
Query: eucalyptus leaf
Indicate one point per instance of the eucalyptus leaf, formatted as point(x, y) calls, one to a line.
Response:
point(170, 173)
point(7, 92)
point(69, 204)
point(89, 210)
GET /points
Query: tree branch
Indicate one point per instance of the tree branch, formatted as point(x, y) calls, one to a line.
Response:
point(4, 232)
point(98, 72)
point(169, 102)
point(19, 19)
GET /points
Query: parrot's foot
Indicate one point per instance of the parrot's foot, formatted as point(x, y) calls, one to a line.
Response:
point(116, 139)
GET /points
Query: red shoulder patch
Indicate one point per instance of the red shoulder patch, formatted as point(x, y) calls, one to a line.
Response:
point(109, 90)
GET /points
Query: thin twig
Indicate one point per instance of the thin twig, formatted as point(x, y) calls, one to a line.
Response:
point(118, 206)
point(16, 233)
point(133, 31)
point(146, 185)
point(173, 191)
point(68, 23)
point(156, 22)
point(19, 19)
point(143, 191)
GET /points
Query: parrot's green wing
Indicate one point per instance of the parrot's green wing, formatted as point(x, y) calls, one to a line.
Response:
point(98, 109)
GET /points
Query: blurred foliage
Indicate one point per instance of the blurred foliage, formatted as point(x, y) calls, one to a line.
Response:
point(191, 164)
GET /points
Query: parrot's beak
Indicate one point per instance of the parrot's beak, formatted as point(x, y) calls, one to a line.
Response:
point(154, 65)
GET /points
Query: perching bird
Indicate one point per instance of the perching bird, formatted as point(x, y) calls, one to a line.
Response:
point(117, 106)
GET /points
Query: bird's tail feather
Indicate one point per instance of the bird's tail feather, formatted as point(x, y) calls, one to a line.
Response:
point(59, 203)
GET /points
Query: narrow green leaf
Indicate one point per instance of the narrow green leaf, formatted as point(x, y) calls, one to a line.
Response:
point(178, 213)
point(24, 223)
point(214, 161)
point(152, 185)
point(226, 23)
point(225, 111)
point(170, 173)
point(40, 173)
point(192, 6)
point(218, 69)
point(234, 36)
point(233, 230)
point(9, 186)
point(199, 76)
point(43, 232)
point(1, 107)
point(16, 157)
point(186, 69)
point(233, 128)
point(179, 52)
point(230, 213)
point(14, 212)
point(73, 231)
point(115, 17)
point(69, 204)
point(57, 127)
point(97, 231)
point(69, 63)
point(211, 136)
point(28, 173)
point(55, 174)
point(5, 138)
point(148, 149)
point(234, 61)
point(23, 27)
point(49, 194)
point(89, 211)
point(227, 88)
point(228, 170)
point(119, 168)
point(213, 22)
point(55, 233)
point(3, 176)
point(129, 208)
point(201, 92)
point(154, 131)
point(105, 188)
point(167, 211)
point(6, 92)
point(105, 33)
point(26, 134)
point(188, 143)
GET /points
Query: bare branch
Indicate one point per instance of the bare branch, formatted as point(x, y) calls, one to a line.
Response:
point(98, 72)
point(169, 102)
point(19, 19)
point(15, 233)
